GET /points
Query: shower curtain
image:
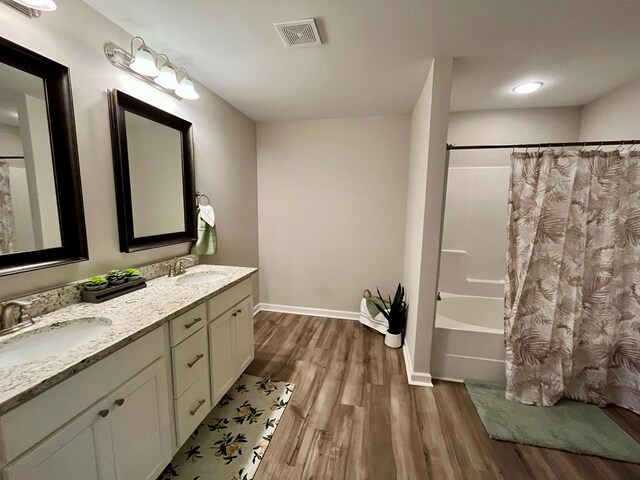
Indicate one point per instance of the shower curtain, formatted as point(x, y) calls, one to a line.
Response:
point(572, 301)
point(7, 221)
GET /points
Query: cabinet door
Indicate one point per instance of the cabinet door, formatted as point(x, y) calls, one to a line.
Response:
point(244, 335)
point(140, 424)
point(81, 450)
point(222, 346)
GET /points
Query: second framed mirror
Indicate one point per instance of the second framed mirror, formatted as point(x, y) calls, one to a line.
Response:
point(154, 174)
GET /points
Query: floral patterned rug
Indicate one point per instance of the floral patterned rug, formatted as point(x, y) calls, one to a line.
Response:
point(232, 439)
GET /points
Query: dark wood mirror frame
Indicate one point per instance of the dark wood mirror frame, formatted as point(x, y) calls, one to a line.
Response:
point(66, 170)
point(119, 103)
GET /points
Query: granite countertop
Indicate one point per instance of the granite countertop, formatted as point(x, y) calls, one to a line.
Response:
point(131, 316)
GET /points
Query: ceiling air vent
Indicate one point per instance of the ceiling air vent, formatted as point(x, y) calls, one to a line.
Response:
point(300, 33)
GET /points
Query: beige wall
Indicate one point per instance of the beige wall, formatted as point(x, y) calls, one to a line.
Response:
point(613, 116)
point(225, 150)
point(508, 126)
point(427, 179)
point(332, 196)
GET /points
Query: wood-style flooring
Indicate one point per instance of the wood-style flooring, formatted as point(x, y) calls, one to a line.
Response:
point(353, 415)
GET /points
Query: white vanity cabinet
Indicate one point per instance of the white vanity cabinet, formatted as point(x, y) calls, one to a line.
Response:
point(80, 450)
point(124, 434)
point(190, 367)
point(231, 347)
point(124, 417)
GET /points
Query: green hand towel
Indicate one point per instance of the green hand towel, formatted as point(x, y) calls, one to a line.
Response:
point(371, 303)
point(207, 241)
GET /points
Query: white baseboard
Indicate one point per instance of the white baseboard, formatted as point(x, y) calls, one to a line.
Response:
point(419, 379)
point(312, 312)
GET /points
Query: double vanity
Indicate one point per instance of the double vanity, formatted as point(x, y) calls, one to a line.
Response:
point(105, 391)
point(112, 390)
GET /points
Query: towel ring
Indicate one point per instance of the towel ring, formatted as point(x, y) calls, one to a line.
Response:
point(200, 196)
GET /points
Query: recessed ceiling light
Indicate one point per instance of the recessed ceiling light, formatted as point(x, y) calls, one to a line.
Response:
point(528, 87)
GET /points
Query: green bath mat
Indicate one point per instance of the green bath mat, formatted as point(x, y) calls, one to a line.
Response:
point(572, 426)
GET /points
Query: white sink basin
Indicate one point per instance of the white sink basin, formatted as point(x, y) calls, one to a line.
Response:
point(198, 278)
point(51, 340)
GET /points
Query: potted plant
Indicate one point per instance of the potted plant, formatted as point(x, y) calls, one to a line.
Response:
point(396, 315)
point(131, 274)
point(96, 283)
point(115, 277)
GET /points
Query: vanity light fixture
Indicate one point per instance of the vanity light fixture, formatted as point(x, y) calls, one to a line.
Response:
point(31, 8)
point(154, 69)
point(528, 87)
point(143, 61)
point(185, 88)
point(167, 77)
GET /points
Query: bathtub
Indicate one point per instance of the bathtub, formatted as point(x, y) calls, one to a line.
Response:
point(468, 341)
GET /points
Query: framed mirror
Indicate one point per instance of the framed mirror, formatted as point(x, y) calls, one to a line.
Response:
point(154, 174)
point(41, 212)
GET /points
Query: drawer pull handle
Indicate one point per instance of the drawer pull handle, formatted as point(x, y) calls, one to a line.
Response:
point(119, 402)
point(200, 403)
point(189, 325)
point(103, 413)
point(198, 357)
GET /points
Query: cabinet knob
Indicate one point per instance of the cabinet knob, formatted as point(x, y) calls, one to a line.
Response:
point(239, 310)
point(200, 403)
point(189, 325)
point(191, 364)
point(103, 413)
point(119, 402)
point(234, 314)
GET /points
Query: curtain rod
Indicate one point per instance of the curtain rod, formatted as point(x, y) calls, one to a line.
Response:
point(451, 146)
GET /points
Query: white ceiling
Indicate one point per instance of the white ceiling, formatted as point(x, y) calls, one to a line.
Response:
point(377, 52)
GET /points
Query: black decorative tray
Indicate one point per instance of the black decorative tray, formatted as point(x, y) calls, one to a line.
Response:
point(99, 296)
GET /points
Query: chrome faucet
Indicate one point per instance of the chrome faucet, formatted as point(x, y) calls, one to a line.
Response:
point(176, 266)
point(14, 316)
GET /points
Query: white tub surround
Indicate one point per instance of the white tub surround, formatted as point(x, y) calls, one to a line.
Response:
point(132, 316)
point(469, 339)
point(455, 278)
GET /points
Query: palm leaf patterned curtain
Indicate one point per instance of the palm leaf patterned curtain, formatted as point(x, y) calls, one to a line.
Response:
point(572, 300)
point(7, 222)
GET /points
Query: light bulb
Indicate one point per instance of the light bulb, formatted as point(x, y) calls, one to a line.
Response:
point(42, 5)
point(144, 63)
point(186, 90)
point(528, 87)
point(167, 78)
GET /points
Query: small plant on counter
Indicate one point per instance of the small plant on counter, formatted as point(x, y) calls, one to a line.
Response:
point(96, 283)
point(131, 274)
point(116, 277)
point(396, 315)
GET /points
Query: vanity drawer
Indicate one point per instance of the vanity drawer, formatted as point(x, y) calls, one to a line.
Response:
point(190, 361)
point(191, 408)
point(227, 299)
point(188, 323)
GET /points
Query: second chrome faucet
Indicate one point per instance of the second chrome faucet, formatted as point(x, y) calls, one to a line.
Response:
point(176, 266)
